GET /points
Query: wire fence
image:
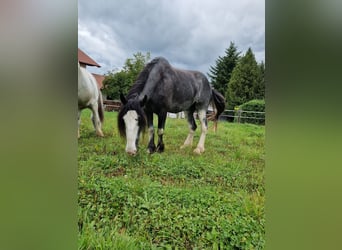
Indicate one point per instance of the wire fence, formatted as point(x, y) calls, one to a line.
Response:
point(243, 116)
point(238, 116)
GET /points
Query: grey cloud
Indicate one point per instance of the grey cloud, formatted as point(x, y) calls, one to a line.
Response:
point(191, 33)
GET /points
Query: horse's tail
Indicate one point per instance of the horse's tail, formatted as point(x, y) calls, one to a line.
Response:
point(100, 107)
point(218, 103)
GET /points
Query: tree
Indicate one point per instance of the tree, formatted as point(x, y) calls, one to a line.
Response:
point(133, 66)
point(220, 74)
point(259, 89)
point(117, 82)
point(245, 82)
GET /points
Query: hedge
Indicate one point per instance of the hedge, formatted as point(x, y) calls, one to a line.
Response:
point(253, 105)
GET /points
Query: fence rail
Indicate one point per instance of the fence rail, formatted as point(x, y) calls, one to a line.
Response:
point(241, 116)
point(110, 105)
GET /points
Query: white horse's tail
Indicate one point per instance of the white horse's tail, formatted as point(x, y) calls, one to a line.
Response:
point(100, 107)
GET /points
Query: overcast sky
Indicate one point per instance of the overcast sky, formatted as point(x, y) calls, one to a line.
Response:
point(191, 34)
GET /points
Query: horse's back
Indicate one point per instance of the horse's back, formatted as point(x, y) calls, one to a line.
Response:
point(175, 89)
point(87, 88)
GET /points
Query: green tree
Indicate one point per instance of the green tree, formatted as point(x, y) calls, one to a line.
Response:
point(117, 82)
point(220, 74)
point(259, 89)
point(245, 82)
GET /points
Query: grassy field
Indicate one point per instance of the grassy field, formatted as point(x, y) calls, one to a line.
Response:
point(173, 200)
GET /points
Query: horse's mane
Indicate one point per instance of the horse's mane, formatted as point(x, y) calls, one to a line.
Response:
point(139, 84)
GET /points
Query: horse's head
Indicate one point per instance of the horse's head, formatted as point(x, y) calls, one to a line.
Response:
point(131, 121)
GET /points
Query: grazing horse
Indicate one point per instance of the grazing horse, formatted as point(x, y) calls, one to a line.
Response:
point(161, 88)
point(89, 96)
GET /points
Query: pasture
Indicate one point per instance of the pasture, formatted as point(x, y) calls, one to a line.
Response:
point(176, 199)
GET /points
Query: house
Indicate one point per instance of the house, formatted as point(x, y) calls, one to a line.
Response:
point(99, 80)
point(85, 61)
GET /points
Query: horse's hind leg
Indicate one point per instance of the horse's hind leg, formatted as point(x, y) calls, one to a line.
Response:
point(192, 127)
point(96, 120)
point(204, 128)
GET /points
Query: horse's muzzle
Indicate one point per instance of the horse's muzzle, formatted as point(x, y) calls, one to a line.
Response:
point(132, 152)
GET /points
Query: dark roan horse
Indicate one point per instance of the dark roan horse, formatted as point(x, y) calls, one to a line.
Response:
point(161, 88)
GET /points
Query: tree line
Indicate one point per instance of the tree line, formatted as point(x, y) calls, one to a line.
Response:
point(120, 81)
point(238, 77)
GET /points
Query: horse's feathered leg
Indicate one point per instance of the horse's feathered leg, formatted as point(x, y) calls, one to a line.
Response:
point(204, 128)
point(192, 127)
point(161, 126)
point(96, 119)
point(151, 148)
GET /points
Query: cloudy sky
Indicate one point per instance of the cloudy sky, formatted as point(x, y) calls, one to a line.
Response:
point(191, 34)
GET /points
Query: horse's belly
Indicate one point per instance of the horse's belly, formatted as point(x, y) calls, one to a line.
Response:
point(85, 101)
point(173, 106)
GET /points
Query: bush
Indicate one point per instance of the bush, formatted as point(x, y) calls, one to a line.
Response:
point(255, 118)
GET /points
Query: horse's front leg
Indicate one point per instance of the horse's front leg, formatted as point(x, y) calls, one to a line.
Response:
point(151, 148)
point(161, 126)
point(204, 128)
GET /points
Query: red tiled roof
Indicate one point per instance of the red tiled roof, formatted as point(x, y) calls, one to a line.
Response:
point(99, 79)
point(84, 58)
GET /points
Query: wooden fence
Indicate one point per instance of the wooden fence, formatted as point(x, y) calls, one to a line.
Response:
point(110, 105)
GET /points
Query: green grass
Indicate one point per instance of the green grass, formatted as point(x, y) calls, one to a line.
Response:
point(176, 199)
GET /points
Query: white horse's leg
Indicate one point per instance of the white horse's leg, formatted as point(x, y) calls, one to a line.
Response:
point(189, 139)
point(78, 123)
point(192, 127)
point(96, 119)
point(204, 128)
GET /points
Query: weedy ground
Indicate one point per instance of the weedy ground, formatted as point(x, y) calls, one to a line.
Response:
point(175, 199)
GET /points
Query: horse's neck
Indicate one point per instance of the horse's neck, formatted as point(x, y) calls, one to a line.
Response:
point(132, 96)
point(149, 87)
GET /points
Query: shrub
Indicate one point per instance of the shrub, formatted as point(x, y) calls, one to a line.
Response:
point(255, 118)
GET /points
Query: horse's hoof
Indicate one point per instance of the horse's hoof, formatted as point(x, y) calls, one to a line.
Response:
point(100, 134)
point(150, 151)
point(151, 148)
point(199, 151)
point(160, 148)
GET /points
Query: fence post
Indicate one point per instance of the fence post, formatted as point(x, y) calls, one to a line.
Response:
point(239, 115)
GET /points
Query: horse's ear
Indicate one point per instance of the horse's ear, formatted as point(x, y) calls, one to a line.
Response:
point(143, 101)
point(123, 99)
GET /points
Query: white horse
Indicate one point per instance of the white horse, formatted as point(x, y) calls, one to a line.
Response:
point(89, 96)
